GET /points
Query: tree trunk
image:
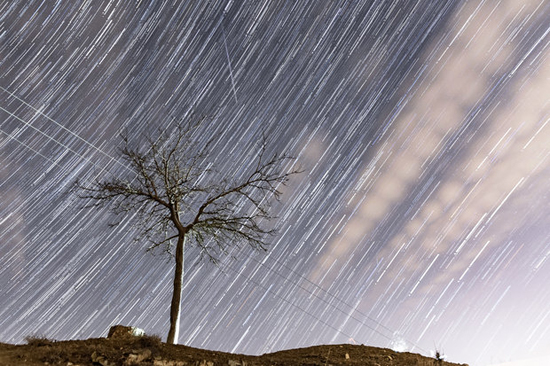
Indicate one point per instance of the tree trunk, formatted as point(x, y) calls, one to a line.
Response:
point(175, 306)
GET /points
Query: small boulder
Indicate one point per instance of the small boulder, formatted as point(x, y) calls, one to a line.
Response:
point(137, 358)
point(99, 359)
point(206, 363)
point(161, 362)
point(236, 363)
point(122, 331)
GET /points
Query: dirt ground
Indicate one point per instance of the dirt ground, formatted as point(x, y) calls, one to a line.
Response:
point(149, 350)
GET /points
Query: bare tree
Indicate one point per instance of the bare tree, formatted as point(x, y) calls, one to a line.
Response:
point(177, 194)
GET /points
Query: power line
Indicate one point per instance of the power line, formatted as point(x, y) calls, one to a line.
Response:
point(62, 127)
point(29, 147)
point(325, 301)
point(50, 138)
point(292, 304)
point(330, 295)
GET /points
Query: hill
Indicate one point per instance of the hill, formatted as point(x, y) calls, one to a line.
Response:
point(149, 350)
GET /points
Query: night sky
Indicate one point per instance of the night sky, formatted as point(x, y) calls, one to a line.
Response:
point(421, 221)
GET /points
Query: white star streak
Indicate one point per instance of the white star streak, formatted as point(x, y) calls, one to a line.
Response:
point(423, 216)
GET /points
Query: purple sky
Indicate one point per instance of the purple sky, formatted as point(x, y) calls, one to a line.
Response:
point(421, 223)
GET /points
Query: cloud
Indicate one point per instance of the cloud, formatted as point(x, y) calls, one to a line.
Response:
point(461, 155)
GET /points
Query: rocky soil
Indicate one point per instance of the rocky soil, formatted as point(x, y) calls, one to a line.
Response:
point(149, 350)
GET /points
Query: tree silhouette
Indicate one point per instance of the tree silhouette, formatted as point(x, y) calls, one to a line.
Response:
point(176, 193)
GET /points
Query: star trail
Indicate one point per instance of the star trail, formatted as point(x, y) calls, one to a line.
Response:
point(421, 221)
